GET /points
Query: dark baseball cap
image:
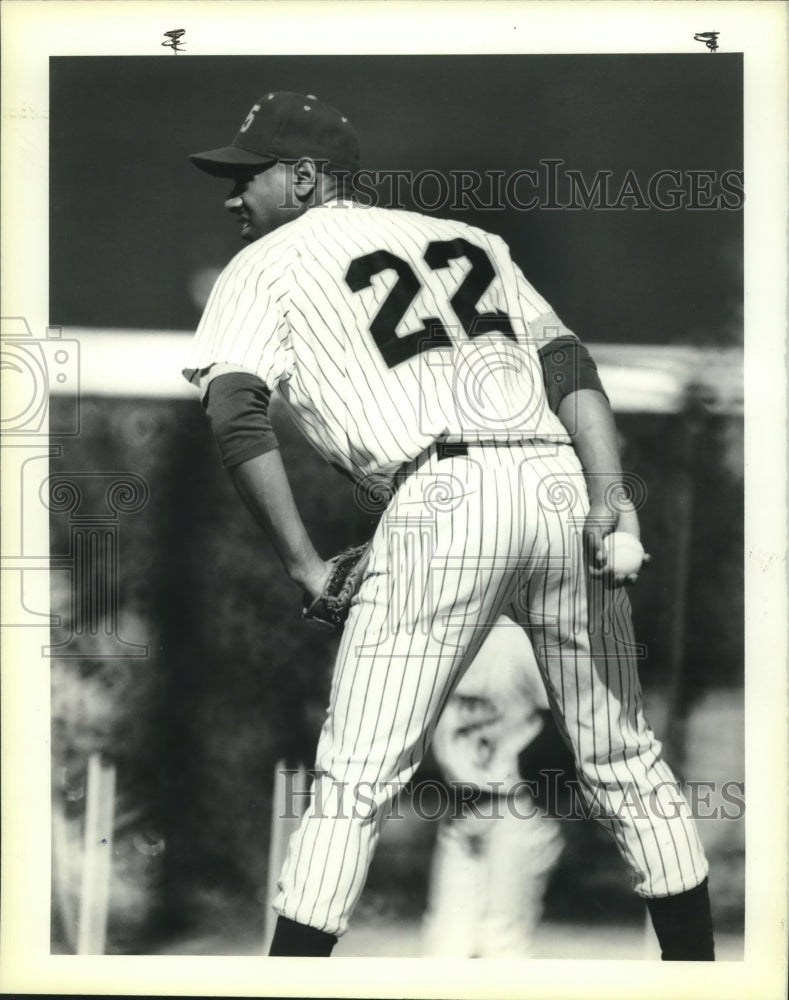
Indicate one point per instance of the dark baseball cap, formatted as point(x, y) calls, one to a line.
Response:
point(285, 126)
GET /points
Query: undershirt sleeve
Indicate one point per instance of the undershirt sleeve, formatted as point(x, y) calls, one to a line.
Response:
point(237, 407)
point(567, 366)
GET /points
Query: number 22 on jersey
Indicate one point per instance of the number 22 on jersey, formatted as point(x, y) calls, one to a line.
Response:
point(432, 333)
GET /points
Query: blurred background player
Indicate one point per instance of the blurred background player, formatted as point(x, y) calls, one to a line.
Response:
point(494, 856)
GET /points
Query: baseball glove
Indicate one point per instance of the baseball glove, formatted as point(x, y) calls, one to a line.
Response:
point(332, 605)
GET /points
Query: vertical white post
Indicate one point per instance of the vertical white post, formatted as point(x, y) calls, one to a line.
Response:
point(97, 857)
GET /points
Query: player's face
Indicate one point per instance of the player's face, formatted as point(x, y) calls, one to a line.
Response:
point(264, 201)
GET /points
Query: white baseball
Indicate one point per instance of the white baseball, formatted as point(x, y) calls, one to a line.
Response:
point(624, 553)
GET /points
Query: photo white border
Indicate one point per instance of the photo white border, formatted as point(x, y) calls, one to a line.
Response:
point(32, 32)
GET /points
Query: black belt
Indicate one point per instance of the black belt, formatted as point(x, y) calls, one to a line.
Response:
point(446, 450)
point(455, 449)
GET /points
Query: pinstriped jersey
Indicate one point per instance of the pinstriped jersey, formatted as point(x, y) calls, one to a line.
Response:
point(384, 331)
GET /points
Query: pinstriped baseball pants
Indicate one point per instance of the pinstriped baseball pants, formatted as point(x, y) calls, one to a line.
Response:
point(463, 540)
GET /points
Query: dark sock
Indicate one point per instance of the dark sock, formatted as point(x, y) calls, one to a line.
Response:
point(291, 938)
point(683, 924)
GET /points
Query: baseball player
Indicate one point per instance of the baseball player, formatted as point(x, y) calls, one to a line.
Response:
point(412, 351)
point(496, 848)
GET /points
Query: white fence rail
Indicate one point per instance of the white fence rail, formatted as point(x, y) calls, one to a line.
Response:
point(637, 378)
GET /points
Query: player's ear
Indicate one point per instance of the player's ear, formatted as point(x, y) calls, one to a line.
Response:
point(305, 175)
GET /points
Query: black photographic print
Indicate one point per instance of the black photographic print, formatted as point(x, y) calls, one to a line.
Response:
point(544, 718)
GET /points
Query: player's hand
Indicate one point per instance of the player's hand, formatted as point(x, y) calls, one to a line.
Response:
point(601, 521)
